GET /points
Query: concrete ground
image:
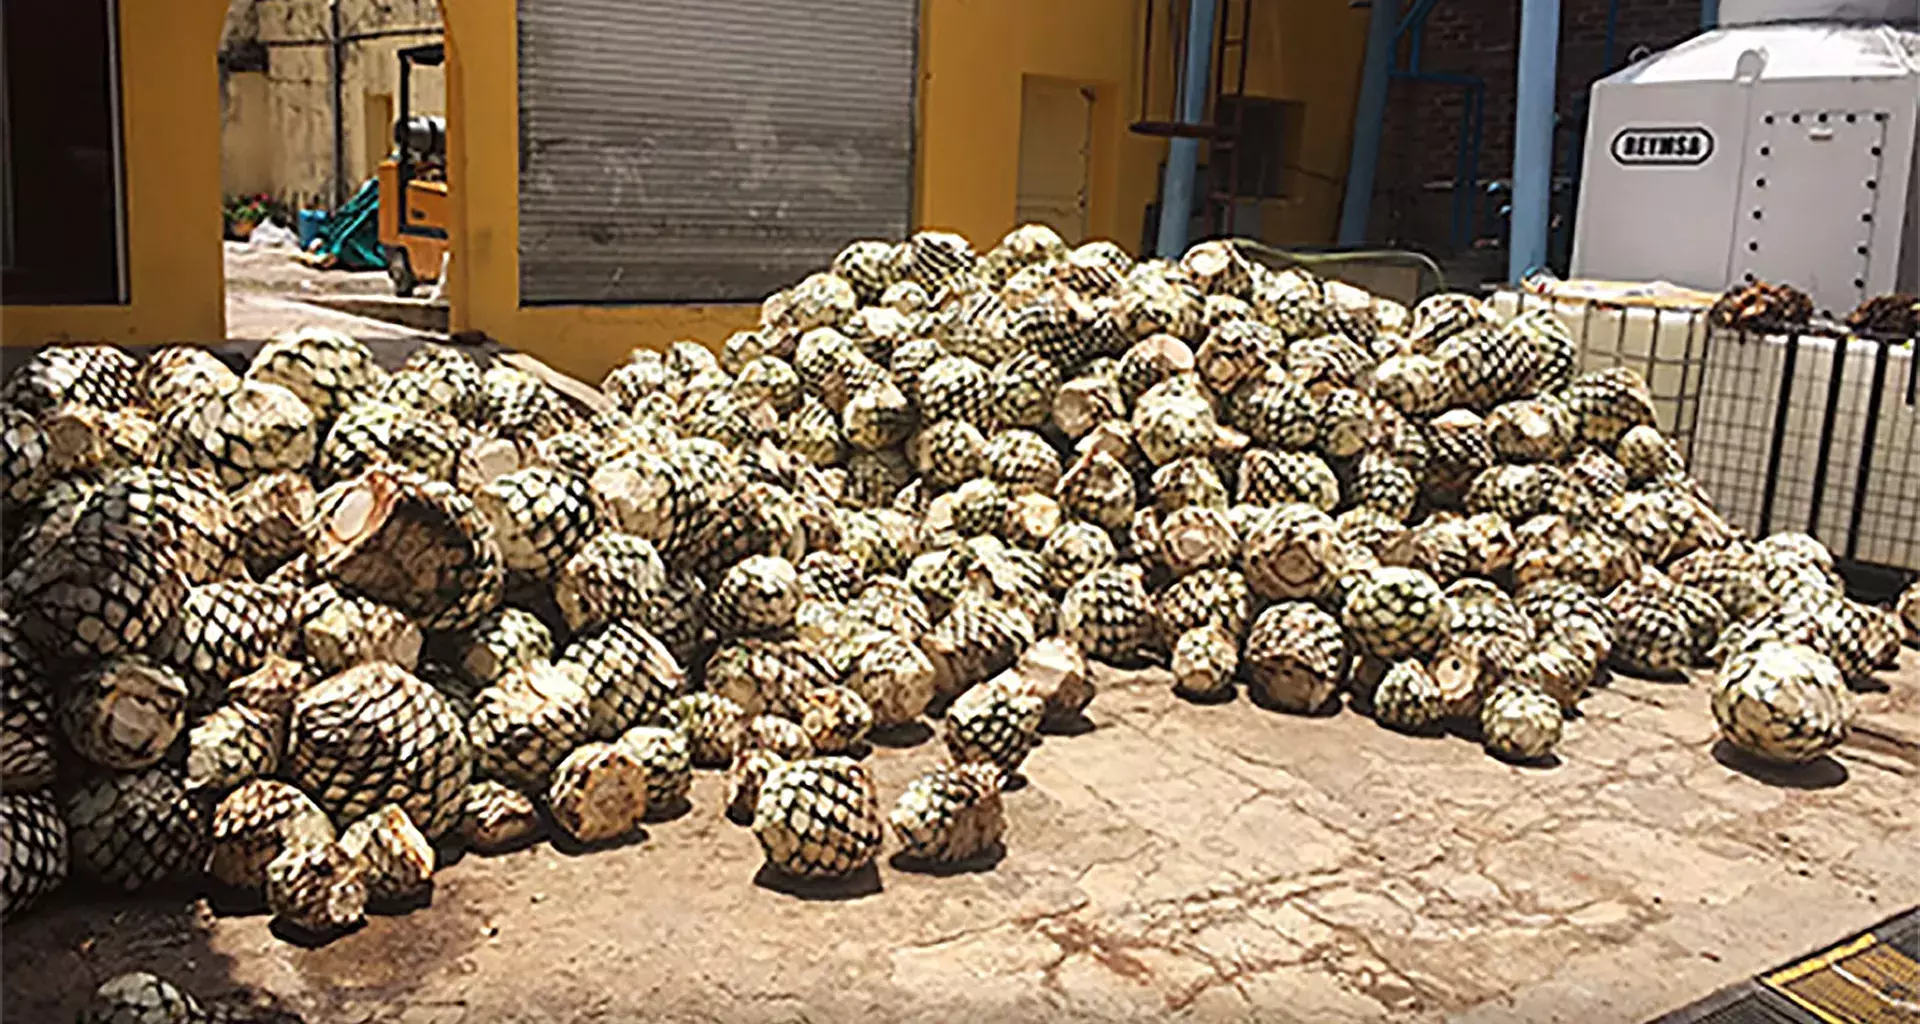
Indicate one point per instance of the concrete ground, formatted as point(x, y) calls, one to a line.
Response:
point(1172, 862)
point(268, 291)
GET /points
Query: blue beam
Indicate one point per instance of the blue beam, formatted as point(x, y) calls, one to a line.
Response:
point(1183, 154)
point(1533, 137)
point(1369, 118)
point(1709, 13)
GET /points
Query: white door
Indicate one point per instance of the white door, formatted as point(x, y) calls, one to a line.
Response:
point(1056, 135)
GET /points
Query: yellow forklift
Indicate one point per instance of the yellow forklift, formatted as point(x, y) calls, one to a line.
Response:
point(413, 185)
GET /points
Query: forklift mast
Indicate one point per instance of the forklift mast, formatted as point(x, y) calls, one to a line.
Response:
point(414, 233)
point(423, 136)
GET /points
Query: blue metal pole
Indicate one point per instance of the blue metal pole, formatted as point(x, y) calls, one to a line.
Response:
point(1369, 117)
point(1533, 137)
point(1709, 13)
point(1183, 154)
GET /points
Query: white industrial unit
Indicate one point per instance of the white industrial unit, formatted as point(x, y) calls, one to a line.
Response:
point(1762, 149)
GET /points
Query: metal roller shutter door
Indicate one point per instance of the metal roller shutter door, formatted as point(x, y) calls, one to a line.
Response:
point(690, 151)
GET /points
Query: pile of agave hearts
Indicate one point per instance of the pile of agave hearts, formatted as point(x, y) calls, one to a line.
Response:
point(294, 625)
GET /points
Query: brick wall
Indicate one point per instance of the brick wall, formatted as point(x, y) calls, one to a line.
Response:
point(1480, 37)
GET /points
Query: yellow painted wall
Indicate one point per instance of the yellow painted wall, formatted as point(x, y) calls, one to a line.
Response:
point(170, 95)
point(1309, 51)
point(974, 55)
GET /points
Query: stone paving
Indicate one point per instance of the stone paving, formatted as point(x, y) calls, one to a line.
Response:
point(1172, 862)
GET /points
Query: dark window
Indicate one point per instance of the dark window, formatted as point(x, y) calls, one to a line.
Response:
point(62, 189)
point(1263, 153)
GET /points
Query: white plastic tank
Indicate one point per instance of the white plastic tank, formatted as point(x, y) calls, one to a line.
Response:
point(1781, 151)
point(1760, 12)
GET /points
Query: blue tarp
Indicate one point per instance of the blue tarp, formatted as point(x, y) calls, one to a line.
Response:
point(352, 235)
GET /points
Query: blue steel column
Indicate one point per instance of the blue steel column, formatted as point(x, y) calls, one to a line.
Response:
point(1183, 154)
point(1369, 118)
point(1533, 137)
point(1709, 13)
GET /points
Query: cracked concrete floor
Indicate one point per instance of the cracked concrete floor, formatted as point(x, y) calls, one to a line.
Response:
point(1181, 862)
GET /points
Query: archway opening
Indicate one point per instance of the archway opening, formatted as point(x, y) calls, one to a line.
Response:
point(314, 95)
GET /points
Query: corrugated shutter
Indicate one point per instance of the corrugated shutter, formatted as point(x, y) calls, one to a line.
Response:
point(692, 151)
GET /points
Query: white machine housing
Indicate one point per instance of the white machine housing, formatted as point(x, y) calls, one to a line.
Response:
point(1762, 149)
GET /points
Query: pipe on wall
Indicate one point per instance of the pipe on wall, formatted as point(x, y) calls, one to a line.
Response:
point(336, 71)
point(1369, 120)
point(1183, 153)
point(1533, 137)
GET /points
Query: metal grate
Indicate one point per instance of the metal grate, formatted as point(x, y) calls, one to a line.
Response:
point(1810, 432)
point(1815, 434)
point(1860, 982)
point(1869, 978)
point(1669, 347)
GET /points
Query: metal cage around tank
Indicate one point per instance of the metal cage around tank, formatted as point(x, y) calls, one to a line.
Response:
point(1812, 428)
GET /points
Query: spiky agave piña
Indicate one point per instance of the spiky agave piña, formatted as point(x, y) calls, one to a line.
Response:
point(1108, 614)
point(527, 724)
point(667, 757)
point(949, 814)
point(1409, 699)
point(713, 725)
point(497, 817)
point(135, 829)
point(599, 792)
point(239, 432)
point(374, 735)
point(35, 838)
point(1784, 703)
point(1519, 723)
point(97, 375)
point(257, 822)
point(818, 817)
point(1205, 661)
point(1296, 657)
point(628, 673)
point(348, 630)
point(996, 723)
point(541, 518)
point(394, 858)
point(836, 720)
point(977, 640)
point(137, 997)
point(108, 587)
point(328, 370)
point(233, 744)
point(318, 889)
point(500, 642)
point(416, 544)
point(1395, 612)
point(227, 630)
point(125, 714)
point(26, 716)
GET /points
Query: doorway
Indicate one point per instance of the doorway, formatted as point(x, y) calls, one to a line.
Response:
point(1056, 144)
point(60, 122)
